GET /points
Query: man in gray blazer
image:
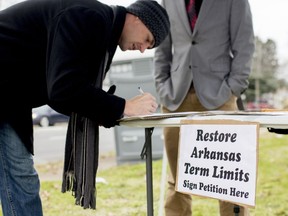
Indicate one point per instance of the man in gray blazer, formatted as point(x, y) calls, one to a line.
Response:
point(205, 67)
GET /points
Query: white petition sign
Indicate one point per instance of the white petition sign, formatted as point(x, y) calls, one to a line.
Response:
point(219, 159)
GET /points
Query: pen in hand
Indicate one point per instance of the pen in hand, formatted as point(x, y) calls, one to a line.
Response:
point(148, 102)
point(140, 90)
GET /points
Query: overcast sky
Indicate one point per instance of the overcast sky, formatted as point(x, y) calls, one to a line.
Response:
point(269, 18)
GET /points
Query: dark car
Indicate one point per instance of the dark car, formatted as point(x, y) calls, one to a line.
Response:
point(45, 116)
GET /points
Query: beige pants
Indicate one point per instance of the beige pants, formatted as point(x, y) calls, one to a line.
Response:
point(178, 204)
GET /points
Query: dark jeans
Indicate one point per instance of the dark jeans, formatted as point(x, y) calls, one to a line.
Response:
point(19, 181)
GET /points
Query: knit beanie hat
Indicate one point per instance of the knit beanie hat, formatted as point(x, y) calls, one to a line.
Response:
point(154, 16)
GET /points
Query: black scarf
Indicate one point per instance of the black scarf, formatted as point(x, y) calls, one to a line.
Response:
point(82, 153)
point(82, 146)
point(81, 160)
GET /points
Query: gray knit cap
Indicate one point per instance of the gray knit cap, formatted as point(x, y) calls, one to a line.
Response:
point(154, 16)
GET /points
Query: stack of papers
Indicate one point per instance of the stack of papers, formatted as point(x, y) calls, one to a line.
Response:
point(156, 116)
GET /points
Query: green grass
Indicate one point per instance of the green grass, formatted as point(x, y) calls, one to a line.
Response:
point(124, 194)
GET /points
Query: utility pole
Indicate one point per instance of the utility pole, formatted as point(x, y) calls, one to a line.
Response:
point(258, 74)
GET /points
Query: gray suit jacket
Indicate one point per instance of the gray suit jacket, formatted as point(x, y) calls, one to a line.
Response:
point(217, 56)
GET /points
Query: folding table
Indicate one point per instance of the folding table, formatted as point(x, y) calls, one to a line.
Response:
point(266, 119)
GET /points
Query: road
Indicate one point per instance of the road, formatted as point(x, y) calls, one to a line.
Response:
point(49, 143)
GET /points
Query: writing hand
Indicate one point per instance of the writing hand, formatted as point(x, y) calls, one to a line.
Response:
point(143, 104)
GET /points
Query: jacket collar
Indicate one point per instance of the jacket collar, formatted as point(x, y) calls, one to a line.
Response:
point(205, 8)
point(119, 16)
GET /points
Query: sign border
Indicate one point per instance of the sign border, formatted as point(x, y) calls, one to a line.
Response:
point(220, 122)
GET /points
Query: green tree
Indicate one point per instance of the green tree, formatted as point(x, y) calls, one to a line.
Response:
point(263, 78)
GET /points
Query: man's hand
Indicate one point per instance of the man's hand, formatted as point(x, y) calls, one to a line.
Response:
point(143, 104)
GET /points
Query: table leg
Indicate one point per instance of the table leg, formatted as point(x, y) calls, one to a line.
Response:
point(149, 178)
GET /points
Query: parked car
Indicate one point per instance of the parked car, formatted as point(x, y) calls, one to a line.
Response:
point(45, 116)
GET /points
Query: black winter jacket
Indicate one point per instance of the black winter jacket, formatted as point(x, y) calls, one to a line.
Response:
point(50, 53)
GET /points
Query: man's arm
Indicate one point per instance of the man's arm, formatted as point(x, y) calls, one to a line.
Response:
point(242, 45)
